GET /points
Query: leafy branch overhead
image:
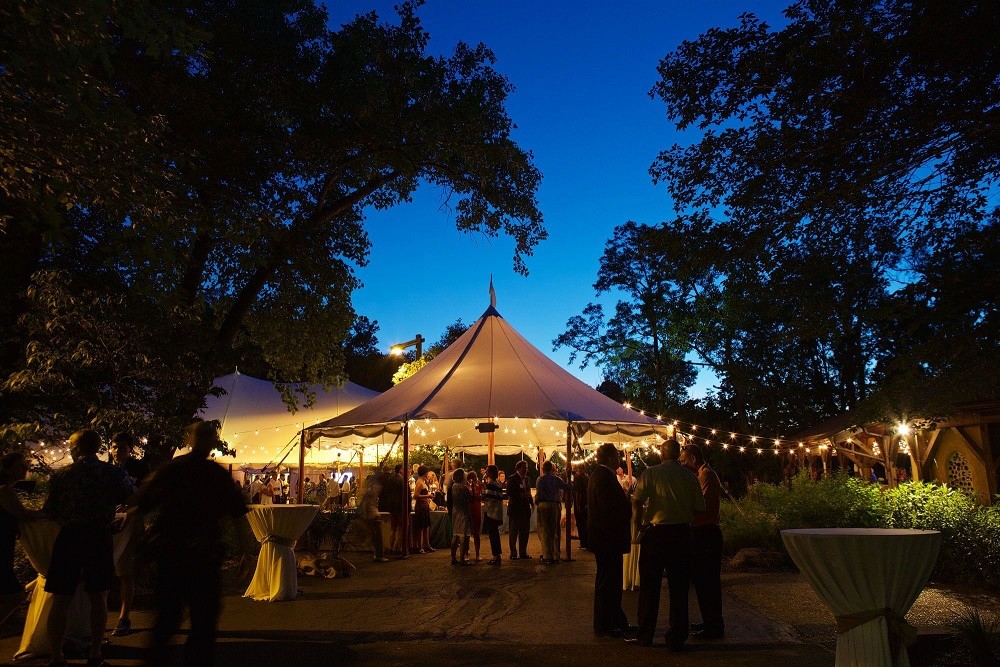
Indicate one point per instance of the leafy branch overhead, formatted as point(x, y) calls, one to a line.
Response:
point(218, 161)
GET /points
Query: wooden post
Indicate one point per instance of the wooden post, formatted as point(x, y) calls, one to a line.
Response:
point(300, 484)
point(361, 468)
point(569, 482)
point(491, 441)
point(628, 465)
point(406, 487)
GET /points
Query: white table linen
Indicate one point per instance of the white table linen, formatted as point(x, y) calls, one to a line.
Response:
point(859, 573)
point(630, 566)
point(277, 527)
point(38, 538)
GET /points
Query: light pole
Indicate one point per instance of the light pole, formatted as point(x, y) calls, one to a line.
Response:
point(417, 342)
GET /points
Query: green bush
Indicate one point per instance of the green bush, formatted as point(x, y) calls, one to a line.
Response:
point(744, 524)
point(970, 544)
point(970, 547)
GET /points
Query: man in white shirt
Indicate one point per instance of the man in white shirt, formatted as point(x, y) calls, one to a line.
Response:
point(674, 495)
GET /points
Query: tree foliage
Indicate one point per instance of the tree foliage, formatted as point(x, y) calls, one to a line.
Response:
point(836, 206)
point(265, 136)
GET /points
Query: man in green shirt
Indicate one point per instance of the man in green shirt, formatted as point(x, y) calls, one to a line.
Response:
point(671, 495)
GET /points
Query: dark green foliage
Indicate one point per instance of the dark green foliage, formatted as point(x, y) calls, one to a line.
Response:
point(970, 548)
point(196, 199)
point(331, 526)
point(980, 635)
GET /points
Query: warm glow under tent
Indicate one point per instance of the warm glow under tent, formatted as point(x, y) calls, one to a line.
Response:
point(489, 374)
point(491, 391)
point(257, 423)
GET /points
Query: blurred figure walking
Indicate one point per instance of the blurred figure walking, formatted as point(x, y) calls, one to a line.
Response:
point(193, 495)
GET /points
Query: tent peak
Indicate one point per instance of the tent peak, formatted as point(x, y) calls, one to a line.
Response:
point(492, 310)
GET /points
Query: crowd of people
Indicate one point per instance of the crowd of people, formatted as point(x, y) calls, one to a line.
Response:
point(91, 500)
point(671, 511)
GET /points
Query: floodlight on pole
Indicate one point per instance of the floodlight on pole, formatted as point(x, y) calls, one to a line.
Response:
point(417, 342)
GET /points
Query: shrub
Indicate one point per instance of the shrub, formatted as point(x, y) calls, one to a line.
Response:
point(970, 546)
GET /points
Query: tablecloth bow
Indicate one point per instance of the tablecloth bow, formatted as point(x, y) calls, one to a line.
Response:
point(283, 541)
point(901, 633)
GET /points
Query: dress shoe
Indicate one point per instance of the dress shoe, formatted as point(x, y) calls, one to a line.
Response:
point(709, 633)
point(630, 630)
point(697, 627)
point(526, 557)
point(513, 557)
point(638, 641)
point(614, 633)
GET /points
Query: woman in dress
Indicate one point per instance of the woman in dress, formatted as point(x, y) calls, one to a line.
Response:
point(460, 519)
point(422, 511)
point(493, 511)
point(13, 468)
point(476, 510)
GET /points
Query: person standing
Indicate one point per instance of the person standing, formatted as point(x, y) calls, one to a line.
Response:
point(461, 519)
point(393, 492)
point(13, 468)
point(422, 512)
point(82, 500)
point(706, 542)
point(192, 494)
point(580, 483)
point(121, 450)
point(369, 512)
point(519, 510)
point(267, 491)
point(493, 511)
point(673, 495)
point(609, 512)
point(549, 490)
point(476, 510)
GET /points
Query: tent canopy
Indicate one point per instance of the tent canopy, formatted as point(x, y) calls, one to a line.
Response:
point(257, 423)
point(490, 373)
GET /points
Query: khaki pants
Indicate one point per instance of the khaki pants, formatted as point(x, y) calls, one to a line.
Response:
point(548, 529)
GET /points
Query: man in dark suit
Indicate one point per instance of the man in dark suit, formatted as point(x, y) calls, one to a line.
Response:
point(609, 516)
point(519, 511)
point(581, 480)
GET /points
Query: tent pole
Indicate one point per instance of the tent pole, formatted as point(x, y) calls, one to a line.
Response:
point(361, 467)
point(491, 440)
point(300, 484)
point(628, 464)
point(569, 482)
point(406, 488)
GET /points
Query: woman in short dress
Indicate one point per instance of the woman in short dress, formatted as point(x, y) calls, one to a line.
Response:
point(422, 511)
point(461, 522)
point(476, 510)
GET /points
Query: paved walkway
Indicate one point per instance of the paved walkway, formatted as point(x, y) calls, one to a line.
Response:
point(423, 611)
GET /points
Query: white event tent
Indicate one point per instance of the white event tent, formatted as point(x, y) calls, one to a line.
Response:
point(490, 374)
point(491, 377)
point(257, 423)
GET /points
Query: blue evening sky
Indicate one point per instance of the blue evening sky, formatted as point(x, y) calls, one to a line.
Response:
point(582, 72)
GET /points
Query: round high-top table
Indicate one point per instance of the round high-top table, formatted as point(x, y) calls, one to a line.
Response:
point(38, 538)
point(277, 527)
point(869, 578)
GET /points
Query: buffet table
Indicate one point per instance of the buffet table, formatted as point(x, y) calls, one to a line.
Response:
point(869, 578)
point(277, 527)
point(38, 538)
